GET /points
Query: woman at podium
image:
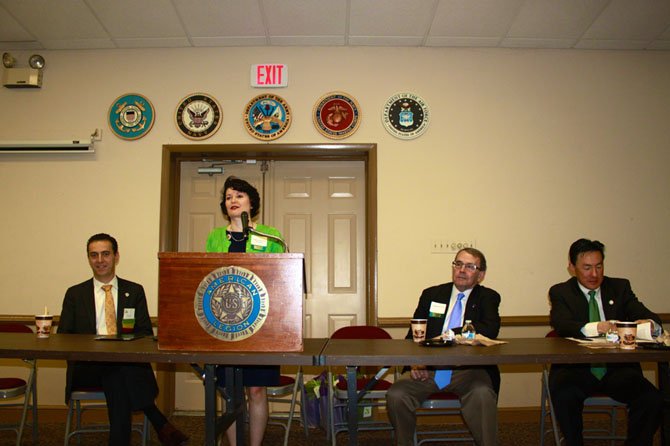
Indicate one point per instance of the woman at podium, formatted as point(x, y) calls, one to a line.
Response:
point(240, 203)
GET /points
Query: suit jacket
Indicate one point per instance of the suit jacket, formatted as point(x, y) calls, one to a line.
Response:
point(570, 309)
point(481, 309)
point(78, 317)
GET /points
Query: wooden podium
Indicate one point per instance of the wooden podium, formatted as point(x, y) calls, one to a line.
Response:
point(180, 276)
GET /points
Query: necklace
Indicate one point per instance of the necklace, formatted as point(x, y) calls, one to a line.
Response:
point(231, 237)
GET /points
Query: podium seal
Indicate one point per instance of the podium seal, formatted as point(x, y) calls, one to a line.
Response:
point(231, 303)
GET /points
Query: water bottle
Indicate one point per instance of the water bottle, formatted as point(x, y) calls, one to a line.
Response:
point(468, 331)
point(612, 335)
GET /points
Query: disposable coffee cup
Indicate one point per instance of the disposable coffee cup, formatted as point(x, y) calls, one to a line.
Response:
point(419, 329)
point(627, 334)
point(43, 324)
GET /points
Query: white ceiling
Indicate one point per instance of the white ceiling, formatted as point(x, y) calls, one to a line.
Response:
point(92, 24)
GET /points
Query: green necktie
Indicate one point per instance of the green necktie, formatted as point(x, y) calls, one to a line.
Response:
point(599, 369)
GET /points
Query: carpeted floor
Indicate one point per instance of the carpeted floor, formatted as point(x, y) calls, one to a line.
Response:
point(51, 434)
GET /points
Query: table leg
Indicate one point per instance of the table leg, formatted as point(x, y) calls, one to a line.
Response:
point(210, 405)
point(664, 386)
point(352, 406)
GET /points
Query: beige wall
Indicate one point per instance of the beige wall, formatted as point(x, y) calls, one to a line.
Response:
point(527, 150)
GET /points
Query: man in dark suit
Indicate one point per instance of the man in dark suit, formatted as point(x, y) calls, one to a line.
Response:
point(477, 387)
point(582, 307)
point(127, 386)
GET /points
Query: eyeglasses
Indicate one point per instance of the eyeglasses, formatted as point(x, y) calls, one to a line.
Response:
point(457, 264)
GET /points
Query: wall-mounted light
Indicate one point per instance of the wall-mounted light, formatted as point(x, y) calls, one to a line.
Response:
point(8, 60)
point(36, 61)
point(22, 77)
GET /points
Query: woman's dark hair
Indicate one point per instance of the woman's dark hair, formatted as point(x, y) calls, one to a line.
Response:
point(584, 245)
point(240, 185)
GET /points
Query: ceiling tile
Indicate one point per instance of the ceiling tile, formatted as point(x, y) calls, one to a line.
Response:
point(305, 18)
point(56, 20)
point(625, 20)
point(466, 18)
point(565, 19)
point(221, 18)
point(132, 19)
point(390, 17)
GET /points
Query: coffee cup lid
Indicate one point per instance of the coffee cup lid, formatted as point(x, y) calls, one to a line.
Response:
point(626, 324)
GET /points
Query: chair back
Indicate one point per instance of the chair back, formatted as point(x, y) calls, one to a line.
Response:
point(11, 327)
point(360, 332)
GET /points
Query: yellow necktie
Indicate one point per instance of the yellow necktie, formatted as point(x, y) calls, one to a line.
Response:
point(110, 311)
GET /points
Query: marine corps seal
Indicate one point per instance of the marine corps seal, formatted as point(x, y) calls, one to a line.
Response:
point(131, 116)
point(267, 117)
point(198, 116)
point(231, 303)
point(405, 115)
point(336, 115)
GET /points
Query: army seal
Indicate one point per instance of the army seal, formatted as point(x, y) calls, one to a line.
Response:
point(231, 303)
point(131, 116)
point(267, 117)
point(336, 115)
point(198, 116)
point(406, 115)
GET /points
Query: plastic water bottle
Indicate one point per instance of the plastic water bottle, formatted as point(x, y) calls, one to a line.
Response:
point(612, 335)
point(468, 331)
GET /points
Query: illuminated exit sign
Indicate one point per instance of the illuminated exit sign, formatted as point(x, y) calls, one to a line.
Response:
point(269, 75)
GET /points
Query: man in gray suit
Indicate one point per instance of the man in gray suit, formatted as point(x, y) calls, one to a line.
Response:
point(447, 306)
point(128, 386)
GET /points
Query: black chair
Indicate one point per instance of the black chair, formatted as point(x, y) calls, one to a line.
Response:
point(441, 404)
point(595, 404)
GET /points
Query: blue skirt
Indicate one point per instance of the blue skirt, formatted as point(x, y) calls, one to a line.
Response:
point(252, 376)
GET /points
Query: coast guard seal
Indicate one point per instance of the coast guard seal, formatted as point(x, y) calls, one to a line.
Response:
point(198, 116)
point(231, 303)
point(267, 117)
point(405, 115)
point(131, 116)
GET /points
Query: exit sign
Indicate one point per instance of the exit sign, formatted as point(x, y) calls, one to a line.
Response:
point(269, 75)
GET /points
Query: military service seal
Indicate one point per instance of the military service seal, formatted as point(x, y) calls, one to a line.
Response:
point(231, 303)
point(405, 115)
point(198, 116)
point(267, 117)
point(336, 115)
point(131, 116)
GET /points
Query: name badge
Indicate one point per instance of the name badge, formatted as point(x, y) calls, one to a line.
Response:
point(129, 313)
point(437, 309)
point(258, 241)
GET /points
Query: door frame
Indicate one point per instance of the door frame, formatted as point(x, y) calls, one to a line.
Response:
point(174, 154)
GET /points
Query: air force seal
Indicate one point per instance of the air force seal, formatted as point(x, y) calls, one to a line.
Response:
point(131, 116)
point(405, 115)
point(231, 303)
point(267, 117)
point(198, 116)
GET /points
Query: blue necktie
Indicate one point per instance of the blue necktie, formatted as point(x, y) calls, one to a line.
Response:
point(443, 376)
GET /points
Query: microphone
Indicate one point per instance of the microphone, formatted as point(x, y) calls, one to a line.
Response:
point(245, 223)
